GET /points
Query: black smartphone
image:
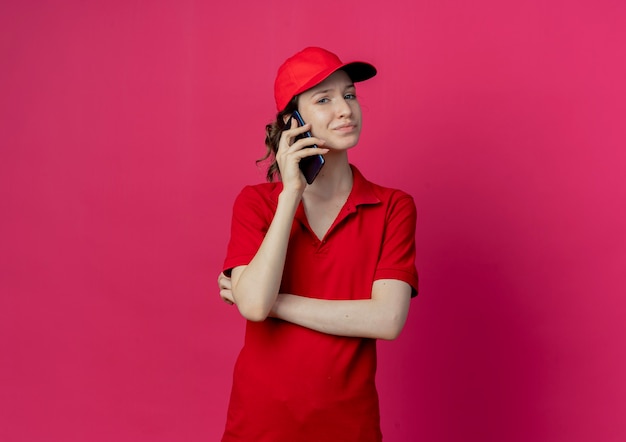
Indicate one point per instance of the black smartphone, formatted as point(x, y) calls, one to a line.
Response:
point(310, 166)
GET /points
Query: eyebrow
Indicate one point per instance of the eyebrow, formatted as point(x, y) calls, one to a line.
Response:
point(325, 91)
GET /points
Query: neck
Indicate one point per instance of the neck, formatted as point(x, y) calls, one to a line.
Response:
point(334, 179)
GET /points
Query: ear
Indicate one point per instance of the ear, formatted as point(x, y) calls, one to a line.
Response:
point(287, 121)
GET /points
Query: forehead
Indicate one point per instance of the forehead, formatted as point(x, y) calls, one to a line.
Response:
point(337, 80)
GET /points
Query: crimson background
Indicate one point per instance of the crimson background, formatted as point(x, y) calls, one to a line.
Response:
point(128, 127)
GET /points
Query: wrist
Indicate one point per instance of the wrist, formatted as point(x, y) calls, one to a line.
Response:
point(292, 196)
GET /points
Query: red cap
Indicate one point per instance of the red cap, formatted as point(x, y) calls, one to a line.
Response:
point(310, 67)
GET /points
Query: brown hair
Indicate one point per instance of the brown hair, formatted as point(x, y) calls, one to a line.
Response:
point(273, 132)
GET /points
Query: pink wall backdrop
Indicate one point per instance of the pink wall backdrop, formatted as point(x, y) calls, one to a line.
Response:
point(128, 127)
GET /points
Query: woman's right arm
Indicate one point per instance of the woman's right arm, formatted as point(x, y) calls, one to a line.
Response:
point(255, 286)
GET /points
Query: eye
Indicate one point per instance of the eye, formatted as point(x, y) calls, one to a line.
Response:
point(349, 97)
point(323, 100)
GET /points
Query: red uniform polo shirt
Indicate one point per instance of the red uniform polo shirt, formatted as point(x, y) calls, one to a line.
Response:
point(294, 384)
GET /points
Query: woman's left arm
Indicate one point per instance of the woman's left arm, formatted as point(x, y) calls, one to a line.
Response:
point(380, 317)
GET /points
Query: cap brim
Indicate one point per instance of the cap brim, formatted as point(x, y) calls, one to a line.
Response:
point(359, 70)
point(356, 70)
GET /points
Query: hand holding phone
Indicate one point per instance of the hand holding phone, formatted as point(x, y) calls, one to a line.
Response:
point(310, 166)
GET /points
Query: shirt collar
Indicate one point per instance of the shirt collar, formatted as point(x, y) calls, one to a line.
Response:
point(362, 190)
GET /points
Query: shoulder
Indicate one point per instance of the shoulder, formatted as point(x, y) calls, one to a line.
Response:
point(390, 193)
point(260, 199)
point(399, 205)
point(389, 197)
point(260, 192)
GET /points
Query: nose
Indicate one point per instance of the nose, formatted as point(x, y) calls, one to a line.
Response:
point(344, 109)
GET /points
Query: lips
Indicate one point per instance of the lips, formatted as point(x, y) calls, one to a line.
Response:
point(345, 127)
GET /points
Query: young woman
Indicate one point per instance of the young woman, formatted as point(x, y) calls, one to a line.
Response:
point(320, 271)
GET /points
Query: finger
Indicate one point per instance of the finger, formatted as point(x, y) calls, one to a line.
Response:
point(225, 283)
point(289, 134)
point(306, 142)
point(223, 280)
point(309, 152)
point(227, 296)
point(299, 130)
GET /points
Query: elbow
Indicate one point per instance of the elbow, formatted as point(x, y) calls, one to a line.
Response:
point(251, 305)
point(392, 329)
point(253, 312)
point(391, 334)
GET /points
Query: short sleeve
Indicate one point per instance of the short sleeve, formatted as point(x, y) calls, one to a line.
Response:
point(397, 255)
point(252, 215)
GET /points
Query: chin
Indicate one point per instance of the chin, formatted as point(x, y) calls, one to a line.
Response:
point(340, 147)
point(344, 144)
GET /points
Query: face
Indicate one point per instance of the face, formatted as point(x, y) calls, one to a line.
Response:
point(333, 111)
